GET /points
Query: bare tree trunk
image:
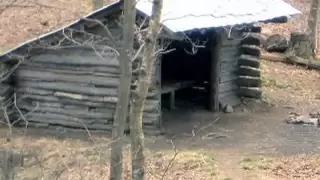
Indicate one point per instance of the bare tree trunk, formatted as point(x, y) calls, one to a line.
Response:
point(124, 91)
point(141, 91)
point(97, 4)
point(313, 22)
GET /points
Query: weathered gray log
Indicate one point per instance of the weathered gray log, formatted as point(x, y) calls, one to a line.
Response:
point(150, 105)
point(51, 118)
point(75, 96)
point(252, 39)
point(250, 50)
point(228, 76)
point(247, 60)
point(301, 45)
point(72, 69)
point(89, 58)
point(70, 87)
point(303, 62)
point(44, 123)
point(251, 92)
point(77, 122)
point(47, 76)
point(249, 71)
point(249, 81)
point(81, 113)
point(65, 101)
point(76, 88)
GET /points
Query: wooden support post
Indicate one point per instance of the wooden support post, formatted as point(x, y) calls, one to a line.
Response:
point(172, 100)
point(215, 46)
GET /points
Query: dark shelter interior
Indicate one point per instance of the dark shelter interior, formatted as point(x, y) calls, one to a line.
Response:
point(185, 72)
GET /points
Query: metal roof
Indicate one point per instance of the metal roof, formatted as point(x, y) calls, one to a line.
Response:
point(183, 15)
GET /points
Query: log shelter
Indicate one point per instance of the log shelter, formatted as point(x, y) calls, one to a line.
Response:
point(56, 81)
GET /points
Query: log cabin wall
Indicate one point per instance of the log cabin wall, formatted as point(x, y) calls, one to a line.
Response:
point(74, 87)
point(240, 66)
point(229, 66)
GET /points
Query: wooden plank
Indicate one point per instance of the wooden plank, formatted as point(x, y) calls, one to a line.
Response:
point(229, 57)
point(78, 56)
point(27, 74)
point(173, 86)
point(71, 88)
point(229, 69)
point(228, 76)
point(215, 47)
point(228, 86)
point(228, 64)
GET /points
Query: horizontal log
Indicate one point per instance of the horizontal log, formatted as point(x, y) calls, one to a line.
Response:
point(76, 57)
point(249, 71)
point(150, 105)
point(109, 71)
point(250, 50)
point(80, 113)
point(74, 96)
point(229, 64)
point(47, 76)
point(70, 87)
point(56, 118)
point(228, 76)
point(249, 81)
point(73, 88)
point(65, 101)
point(303, 62)
point(39, 123)
point(247, 60)
point(292, 60)
point(252, 39)
point(273, 57)
point(250, 92)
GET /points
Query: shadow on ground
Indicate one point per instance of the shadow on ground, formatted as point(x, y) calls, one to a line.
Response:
point(254, 129)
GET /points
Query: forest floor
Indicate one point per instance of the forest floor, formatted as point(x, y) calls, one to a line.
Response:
point(253, 143)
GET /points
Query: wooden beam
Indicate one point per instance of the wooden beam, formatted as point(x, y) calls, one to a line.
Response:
point(216, 44)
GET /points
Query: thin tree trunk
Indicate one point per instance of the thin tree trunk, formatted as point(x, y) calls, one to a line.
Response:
point(313, 22)
point(124, 91)
point(97, 4)
point(140, 93)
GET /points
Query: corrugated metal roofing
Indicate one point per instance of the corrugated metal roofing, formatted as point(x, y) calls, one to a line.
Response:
point(183, 15)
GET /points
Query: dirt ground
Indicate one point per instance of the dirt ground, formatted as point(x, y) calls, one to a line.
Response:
point(253, 143)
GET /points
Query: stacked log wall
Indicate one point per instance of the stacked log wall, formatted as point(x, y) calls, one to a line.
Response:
point(75, 88)
point(240, 67)
point(249, 73)
point(228, 72)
